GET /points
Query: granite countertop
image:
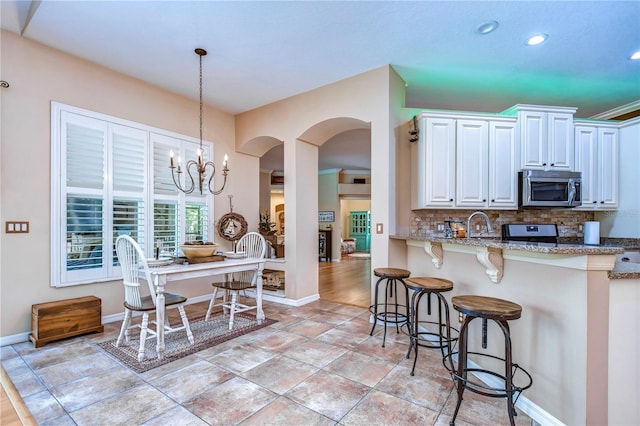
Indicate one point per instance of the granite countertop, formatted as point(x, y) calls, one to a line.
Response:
point(622, 270)
point(552, 248)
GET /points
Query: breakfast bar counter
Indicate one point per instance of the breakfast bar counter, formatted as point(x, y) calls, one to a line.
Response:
point(578, 334)
point(617, 269)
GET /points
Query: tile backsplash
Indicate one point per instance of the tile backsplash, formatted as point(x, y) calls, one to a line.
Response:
point(425, 223)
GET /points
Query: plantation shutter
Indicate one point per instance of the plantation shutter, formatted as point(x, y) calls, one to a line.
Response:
point(129, 167)
point(111, 177)
point(84, 145)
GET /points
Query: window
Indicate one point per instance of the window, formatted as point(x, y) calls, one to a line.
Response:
point(111, 177)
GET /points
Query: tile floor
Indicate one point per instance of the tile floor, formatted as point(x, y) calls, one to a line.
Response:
point(316, 366)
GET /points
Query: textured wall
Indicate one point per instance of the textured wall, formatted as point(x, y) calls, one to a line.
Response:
point(425, 222)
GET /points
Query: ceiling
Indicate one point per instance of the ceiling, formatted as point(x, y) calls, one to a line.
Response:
point(264, 51)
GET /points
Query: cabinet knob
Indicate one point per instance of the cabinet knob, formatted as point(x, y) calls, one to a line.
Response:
point(595, 202)
point(484, 200)
point(493, 201)
point(544, 164)
point(601, 202)
point(553, 164)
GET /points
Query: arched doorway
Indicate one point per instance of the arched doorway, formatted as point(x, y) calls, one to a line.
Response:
point(344, 166)
point(301, 201)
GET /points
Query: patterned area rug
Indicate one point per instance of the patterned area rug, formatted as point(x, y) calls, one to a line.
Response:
point(206, 335)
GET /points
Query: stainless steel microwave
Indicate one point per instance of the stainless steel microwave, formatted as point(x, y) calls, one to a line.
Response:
point(541, 188)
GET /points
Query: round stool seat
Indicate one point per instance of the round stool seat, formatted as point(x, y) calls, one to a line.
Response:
point(487, 307)
point(395, 312)
point(499, 311)
point(429, 284)
point(430, 331)
point(392, 273)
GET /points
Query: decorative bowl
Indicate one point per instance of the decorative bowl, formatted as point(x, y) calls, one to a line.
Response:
point(193, 251)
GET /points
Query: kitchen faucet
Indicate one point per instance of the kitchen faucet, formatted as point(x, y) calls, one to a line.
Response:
point(486, 218)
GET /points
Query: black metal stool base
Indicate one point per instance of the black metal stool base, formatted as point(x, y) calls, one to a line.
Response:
point(430, 340)
point(499, 312)
point(482, 388)
point(386, 318)
point(429, 333)
point(381, 311)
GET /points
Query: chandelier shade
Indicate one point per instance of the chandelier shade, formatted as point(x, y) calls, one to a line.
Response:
point(204, 170)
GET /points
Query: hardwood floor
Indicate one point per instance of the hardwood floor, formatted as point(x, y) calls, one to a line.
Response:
point(13, 411)
point(347, 281)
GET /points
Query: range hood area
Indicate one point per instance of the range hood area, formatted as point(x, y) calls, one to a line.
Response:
point(530, 232)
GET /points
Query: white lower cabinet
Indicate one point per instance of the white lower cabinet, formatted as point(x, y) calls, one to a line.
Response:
point(597, 157)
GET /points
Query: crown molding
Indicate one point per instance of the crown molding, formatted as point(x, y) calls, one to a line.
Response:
point(624, 109)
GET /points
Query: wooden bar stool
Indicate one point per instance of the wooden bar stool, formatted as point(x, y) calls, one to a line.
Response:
point(499, 311)
point(440, 338)
point(380, 311)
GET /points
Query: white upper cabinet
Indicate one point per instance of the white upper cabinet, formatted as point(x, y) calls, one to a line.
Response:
point(546, 137)
point(465, 161)
point(597, 157)
point(503, 165)
point(486, 165)
point(472, 159)
point(433, 164)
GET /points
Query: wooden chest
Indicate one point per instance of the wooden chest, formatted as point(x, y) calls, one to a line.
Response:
point(65, 318)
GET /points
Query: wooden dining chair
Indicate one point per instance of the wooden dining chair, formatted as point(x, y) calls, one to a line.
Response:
point(255, 246)
point(134, 267)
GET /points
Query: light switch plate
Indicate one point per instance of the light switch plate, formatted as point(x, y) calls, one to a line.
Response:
point(379, 228)
point(16, 227)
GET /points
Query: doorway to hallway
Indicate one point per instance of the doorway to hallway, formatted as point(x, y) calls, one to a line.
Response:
point(347, 281)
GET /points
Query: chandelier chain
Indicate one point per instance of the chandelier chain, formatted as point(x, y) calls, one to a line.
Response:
point(201, 102)
point(199, 167)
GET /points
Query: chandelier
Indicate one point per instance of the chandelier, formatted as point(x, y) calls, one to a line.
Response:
point(200, 166)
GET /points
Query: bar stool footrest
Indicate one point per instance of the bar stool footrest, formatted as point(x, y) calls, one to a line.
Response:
point(421, 338)
point(482, 388)
point(389, 317)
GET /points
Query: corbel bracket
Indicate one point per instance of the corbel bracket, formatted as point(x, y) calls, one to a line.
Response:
point(435, 251)
point(491, 258)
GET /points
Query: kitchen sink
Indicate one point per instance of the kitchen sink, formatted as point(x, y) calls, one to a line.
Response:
point(629, 256)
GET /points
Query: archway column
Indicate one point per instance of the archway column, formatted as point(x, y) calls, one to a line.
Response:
point(301, 219)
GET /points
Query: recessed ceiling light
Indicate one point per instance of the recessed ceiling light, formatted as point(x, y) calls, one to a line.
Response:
point(487, 27)
point(537, 39)
point(635, 56)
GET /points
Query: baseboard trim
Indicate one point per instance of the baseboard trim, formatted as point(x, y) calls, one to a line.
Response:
point(15, 338)
point(24, 337)
point(537, 413)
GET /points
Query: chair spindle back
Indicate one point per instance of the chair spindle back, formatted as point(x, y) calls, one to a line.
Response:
point(133, 264)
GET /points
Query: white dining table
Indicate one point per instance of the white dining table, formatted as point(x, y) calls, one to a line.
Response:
point(164, 275)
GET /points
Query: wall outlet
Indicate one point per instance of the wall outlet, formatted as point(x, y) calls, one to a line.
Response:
point(440, 227)
point(579, 227)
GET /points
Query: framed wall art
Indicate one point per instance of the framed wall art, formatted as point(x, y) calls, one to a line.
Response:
point(326, 216)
